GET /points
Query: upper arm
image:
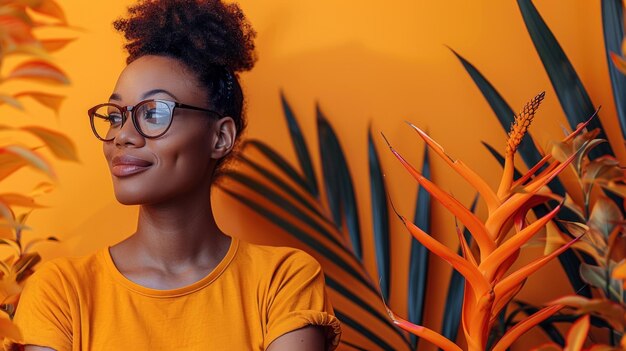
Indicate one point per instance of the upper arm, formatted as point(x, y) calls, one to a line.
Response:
point(43, 312)
point(310, 338)
point(299, 310)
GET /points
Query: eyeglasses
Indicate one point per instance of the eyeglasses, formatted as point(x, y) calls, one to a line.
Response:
point(151, 118)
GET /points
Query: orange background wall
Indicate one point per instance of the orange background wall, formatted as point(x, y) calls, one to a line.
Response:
point(364, 62)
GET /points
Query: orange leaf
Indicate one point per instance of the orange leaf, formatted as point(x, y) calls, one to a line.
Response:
point(51, 101)
point(16, 31)
point(491, 264)
point(31, 158)
point(611, 312)
point(577, 334)
point(472, 178)
point(467, 270)
point(10, 163)
point(524, 325)
point(517, 200)
point(423, 332)
point(7, 99)
point(34, 49)
point(473, 224)
point(515, 278)
point(500, 303)
point(52, 9)
point(60, 145)
point(13, 199)
point(53, 45)
point(39, 71)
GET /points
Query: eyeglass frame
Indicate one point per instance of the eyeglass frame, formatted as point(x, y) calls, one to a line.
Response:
point(131, 108)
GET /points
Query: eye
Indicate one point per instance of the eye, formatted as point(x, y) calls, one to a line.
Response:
point(115, 119)
point(157, 116)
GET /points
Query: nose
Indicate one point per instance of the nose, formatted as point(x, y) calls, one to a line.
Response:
point(128, 135)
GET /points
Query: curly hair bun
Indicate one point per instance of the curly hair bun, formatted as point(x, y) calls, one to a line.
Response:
point(201, 33)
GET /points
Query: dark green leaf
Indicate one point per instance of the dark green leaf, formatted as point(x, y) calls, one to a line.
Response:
point(288, 189)
point(613, 25)
point(349, 295)
point(380, 216)
point(306, 239)
point(338, 181)
point(572, 95)
point(300, 147)
point(279, 162)
point(285, 205)
point(370, 335)
point(502, 110)
point(352, 345)
point(418, 260)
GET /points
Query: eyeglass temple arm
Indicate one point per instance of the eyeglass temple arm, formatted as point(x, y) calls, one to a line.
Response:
point(181, 105)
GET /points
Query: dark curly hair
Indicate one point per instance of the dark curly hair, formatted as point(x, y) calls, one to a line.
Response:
point(212, 39)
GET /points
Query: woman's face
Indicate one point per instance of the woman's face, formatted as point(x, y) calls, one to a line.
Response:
point(180, 162)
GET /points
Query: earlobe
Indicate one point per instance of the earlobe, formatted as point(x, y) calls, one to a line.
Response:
point(225, 135)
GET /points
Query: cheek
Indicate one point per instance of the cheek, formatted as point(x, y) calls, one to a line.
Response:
point(107, 150)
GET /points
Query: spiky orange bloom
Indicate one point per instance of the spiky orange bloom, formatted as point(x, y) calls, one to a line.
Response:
point(488, 287)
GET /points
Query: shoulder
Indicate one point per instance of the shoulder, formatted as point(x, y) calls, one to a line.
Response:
point(67, 270)
point(277, 258)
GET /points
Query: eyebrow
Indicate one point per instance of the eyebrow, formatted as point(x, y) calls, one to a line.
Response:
point(116, 96)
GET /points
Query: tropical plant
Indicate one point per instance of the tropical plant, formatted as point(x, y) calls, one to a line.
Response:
point(488, 287)
point(599, 211)
point(18, 19)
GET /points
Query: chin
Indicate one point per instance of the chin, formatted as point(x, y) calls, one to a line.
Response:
point(125, 199)
point(131, 195)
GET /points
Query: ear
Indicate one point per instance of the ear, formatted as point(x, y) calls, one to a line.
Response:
point(225, 133)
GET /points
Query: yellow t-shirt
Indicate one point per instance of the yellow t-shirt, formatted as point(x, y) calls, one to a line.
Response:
point(255, 294)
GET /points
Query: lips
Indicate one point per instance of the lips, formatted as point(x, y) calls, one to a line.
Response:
point(126, 165)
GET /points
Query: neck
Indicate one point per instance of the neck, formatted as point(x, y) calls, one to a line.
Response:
point(181, 231)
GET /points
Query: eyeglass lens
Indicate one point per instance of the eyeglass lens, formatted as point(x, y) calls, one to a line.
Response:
point(152, 119)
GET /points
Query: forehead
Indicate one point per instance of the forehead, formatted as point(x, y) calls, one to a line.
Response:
point(149, 73)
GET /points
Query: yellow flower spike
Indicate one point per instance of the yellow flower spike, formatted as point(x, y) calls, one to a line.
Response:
point(427, 334)
point(464, 267)
point(503, 287)
point(473, 223)
point(524, 325)
point(463, 170)
point(490, 265)
point(517, 132)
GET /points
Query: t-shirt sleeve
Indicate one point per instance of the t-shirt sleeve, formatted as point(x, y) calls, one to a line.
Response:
point(298, 298)
point(43, 312)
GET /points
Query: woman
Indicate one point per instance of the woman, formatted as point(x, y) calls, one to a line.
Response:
point(178, 282)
